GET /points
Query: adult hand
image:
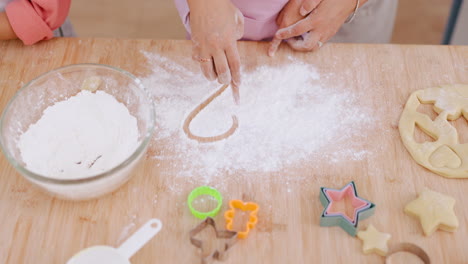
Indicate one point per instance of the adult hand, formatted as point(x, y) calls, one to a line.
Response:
point(308, 6)
point(318, 26)
point(216, 26)
point(289, 15)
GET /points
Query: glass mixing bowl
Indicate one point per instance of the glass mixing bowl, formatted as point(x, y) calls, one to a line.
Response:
point(27, 106)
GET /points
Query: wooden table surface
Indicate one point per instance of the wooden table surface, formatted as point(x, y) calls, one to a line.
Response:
point(36, 228)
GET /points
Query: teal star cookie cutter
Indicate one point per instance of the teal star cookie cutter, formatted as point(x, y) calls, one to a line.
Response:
point(362, 208)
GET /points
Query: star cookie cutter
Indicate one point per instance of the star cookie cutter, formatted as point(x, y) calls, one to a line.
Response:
point(231, 213)
point(362, 208)
point(358, 204)
point(230, 238)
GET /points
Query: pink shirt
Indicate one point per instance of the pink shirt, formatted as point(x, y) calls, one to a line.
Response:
point(259, 16)
point(35, 20)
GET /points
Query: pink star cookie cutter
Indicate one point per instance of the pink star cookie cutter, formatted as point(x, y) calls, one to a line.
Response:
point(358, 203)
point(333, 217)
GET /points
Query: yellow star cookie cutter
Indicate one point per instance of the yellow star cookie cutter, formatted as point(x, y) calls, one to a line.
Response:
point(434, 210)
point(374, 241)
point(231, 213)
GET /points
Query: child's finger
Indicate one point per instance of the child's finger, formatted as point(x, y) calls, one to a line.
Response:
point(274, 44)
point(297, 29)
point(235, 93)
point(222, 67)
point(234, 63)
point(207, 67)
point(206, 62)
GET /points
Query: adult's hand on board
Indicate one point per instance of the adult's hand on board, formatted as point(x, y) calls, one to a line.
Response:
point(320, 25)
point(292, 12)
point(216, 26)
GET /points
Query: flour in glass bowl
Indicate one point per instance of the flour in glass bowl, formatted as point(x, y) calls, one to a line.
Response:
point(85, 135)
point(286, 116)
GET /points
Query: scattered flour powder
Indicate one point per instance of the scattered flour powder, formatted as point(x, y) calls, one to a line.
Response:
point(286, 117)
point(82, 136)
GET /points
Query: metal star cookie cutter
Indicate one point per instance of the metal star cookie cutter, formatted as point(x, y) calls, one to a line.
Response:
point(230, 214)
point(229, 236)
point(409, 248)
point(362, 208)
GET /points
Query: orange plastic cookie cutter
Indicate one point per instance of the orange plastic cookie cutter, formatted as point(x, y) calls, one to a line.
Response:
point(231, 213)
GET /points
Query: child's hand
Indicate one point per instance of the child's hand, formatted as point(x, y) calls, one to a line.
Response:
point(216, 26)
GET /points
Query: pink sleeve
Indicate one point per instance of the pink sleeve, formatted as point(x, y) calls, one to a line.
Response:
point(35, 20)
point(184, 12)
point(259, 16)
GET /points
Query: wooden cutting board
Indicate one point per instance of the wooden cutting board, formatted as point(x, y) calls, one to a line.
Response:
point(37, 228)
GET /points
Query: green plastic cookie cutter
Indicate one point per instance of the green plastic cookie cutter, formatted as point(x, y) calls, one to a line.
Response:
point(204, 190)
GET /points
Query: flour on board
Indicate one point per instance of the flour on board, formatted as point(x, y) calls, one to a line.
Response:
point(286, 117)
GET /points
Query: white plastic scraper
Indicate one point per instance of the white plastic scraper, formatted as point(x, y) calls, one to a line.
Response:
point(122, 254)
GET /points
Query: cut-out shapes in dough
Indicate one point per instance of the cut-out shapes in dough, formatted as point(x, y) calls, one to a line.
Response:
point(434, 210)
point(421, 136)
point(446, 155)
point(428, 109)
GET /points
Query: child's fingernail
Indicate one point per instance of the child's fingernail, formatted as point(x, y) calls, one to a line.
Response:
point(237, 82)
point(224, 78)
point(302, 11)
point(211, 76)
point(237, 99)
point(235, 92)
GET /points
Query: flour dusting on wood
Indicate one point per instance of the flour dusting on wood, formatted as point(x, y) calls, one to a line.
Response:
point(286, 117)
